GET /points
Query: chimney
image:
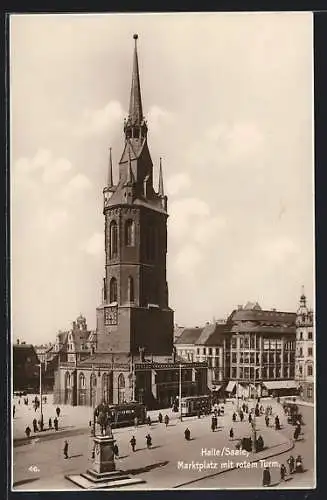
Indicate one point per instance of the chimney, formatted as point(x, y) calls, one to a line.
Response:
point(17, 341)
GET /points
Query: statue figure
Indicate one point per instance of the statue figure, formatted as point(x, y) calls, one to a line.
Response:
point(102, 416)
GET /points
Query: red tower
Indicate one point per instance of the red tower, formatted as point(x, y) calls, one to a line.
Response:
point(135, 312)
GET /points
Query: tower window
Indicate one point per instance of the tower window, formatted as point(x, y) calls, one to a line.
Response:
point(113, 239)
point(130, 289)
point(310, 371)
point(113, 290)
point(130, 233)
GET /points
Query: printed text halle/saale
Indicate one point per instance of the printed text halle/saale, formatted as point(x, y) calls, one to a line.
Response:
point(225, 451)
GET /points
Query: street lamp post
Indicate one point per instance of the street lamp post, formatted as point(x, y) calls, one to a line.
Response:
point(41, 407)
point(180, 392)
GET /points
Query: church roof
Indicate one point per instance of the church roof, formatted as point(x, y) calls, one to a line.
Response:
point(105, 359)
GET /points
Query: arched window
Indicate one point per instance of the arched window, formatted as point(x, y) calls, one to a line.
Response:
point(105, 387)
point(113, 290)
point(121, 388)
point(130, 289)
point(129, 233)
point(81, 381)
point(67, 380)
point(113, 239)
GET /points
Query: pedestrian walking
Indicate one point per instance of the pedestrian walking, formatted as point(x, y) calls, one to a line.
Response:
point(28, 431)
point(241, 416)
point(267, 420)
point(133, 443)
point(250, 418)
point(277, 423)
point(283, 472)
point(136, 421)
point(298, 464)
point(116, 450)
point(149, 420)
point(266, 478)
point(234, 417)
point(58, 411)
point(187, 434)
point(160, 418)
point(35, 429)
point(296, 433)
point(291, 464)
point(148, 441)
point(231, 433)
point(13, 411)
point(66, 449)
point(55, 423)
point(50, 423)
point(166, 420)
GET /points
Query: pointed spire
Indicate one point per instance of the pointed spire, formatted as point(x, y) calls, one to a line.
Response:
point(135, 105)
point(161, 186)
point(110, 181)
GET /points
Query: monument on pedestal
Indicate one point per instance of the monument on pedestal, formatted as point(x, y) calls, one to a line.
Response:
point(103, 473)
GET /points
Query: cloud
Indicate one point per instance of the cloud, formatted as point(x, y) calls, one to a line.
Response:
point(158, 117)
point(240, 144)
point(177, 183)
point(100, 120)
point(76, 186)
point(279, 250)
point(94, 245)
point(187, 259)
point(53, 170)
point(184, 213)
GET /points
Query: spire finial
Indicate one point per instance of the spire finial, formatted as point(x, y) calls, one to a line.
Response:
point(161, 186)
point(110, 181)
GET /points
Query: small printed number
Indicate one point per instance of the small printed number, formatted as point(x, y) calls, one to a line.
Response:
point(33, 468)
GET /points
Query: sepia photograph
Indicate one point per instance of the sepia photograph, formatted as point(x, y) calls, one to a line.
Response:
point(162, 251)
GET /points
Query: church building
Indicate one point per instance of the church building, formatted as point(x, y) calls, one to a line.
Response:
point(134, 357)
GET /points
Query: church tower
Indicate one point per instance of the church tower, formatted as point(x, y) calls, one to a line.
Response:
point(304, 357)
point(134, 314)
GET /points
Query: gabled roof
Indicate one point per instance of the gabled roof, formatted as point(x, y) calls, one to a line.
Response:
point(212, 335)
point(189, 336)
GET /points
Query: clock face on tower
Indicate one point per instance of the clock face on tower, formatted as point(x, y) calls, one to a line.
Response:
point(111, 315)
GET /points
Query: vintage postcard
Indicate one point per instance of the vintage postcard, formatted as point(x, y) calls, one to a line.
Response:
point(162, 250)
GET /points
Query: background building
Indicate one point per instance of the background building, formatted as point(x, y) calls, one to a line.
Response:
point(304, 368)
point(26, 371)
point(260, 351)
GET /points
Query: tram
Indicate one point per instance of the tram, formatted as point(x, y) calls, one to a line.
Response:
point(124, 414)
point(193, 404)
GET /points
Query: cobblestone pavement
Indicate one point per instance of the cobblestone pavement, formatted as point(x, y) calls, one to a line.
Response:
point(40, 465)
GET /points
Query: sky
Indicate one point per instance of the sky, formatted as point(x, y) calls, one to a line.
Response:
point(229, 102)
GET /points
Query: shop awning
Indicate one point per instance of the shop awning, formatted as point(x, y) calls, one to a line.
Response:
point(280, 384)
point(230, 386)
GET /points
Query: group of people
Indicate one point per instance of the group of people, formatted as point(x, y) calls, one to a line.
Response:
point(38, 425)
point(295, 465)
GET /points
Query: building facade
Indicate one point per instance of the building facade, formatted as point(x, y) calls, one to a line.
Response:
point(305, 351)
point(260, 351)
point(205, 344)
point(134, 356)
point(26, 370)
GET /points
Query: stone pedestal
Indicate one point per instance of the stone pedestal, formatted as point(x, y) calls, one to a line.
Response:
point(103, 473)
point(104, 458)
